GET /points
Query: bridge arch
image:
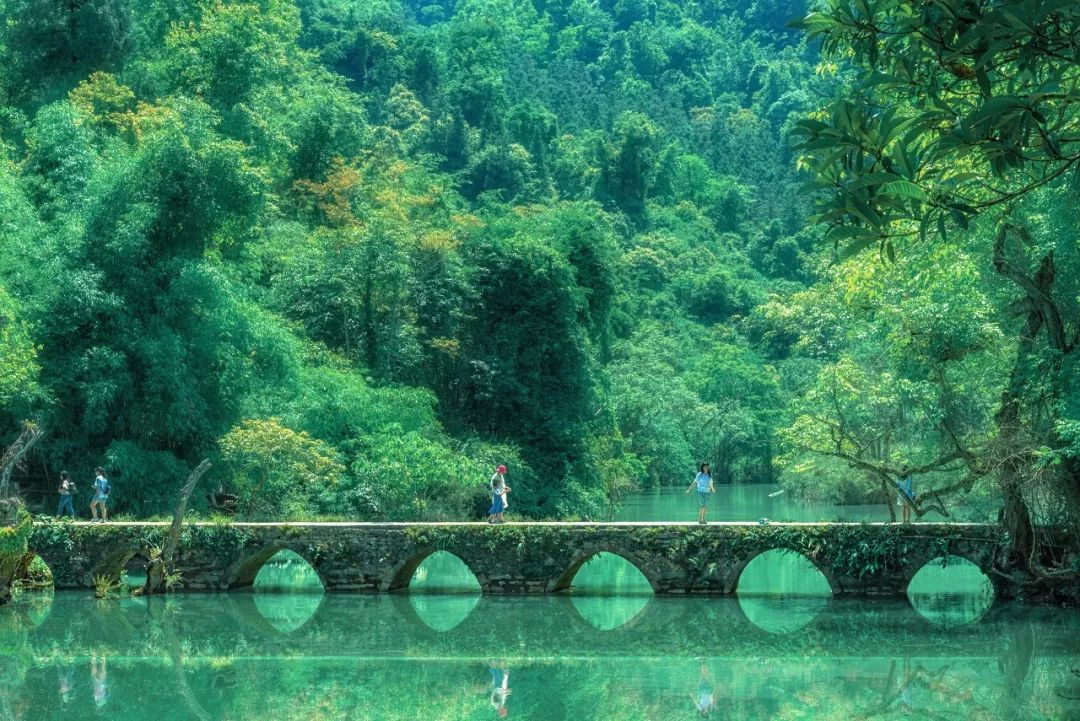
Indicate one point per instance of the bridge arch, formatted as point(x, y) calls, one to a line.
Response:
point(731, 583)
point(241, 575)
point(566, 578)
point(402, 576)
point(34, 572)
point(968, 557)
point(114, 563)
point(951, 590)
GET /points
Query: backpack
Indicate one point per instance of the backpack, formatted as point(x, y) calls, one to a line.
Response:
point(107, 488)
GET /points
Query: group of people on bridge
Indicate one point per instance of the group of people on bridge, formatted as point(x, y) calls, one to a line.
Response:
point(499, 488)
point(99, 502)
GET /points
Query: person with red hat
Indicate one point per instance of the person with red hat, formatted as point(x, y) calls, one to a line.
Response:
point(500, 687)
point(499, 489)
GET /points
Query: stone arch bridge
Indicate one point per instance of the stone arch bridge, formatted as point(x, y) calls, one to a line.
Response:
point(856, 559)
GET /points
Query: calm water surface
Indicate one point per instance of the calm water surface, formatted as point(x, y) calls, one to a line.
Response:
point(750, 503)
point(262, 657)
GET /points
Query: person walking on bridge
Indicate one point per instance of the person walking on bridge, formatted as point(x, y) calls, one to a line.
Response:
point(499, 489)
point(66, 490)
point(704, 483)
point(101, 497)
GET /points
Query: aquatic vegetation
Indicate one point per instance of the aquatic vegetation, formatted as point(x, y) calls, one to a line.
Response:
point(106, 587)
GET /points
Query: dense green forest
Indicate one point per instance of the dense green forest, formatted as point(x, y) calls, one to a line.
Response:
point(359, 253)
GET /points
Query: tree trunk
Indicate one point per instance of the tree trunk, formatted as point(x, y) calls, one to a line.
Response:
point(158, 567)
point(31, 434)
point(887, 495)
point(1013, 450)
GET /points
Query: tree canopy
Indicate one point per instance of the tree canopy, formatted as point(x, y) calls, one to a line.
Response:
point(360, 254)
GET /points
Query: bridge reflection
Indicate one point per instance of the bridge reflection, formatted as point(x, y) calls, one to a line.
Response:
point(478, 627)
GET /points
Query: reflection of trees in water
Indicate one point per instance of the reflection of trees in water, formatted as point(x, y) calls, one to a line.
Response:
point(1034, 684)
point(856, 660)
point(286, 571)
point(15, 625)
point(250, 687)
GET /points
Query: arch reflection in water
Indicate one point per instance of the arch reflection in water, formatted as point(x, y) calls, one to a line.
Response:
point(288, 591)
point(34, 585)
point(781, 591)
point(36, 605)
point(287, 611)
point(951, 591)
point(609, 612)
point(443, 612)
point(608, 591)
point(443, 591)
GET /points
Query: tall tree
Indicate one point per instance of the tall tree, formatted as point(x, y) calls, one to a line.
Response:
point(963, 111)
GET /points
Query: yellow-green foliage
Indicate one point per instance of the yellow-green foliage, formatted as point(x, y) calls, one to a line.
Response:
point(13, 538)
point(277, 470)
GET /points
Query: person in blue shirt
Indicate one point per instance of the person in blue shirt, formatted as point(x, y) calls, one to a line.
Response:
point(905, 495)
point(704, 484)
point(705, 701)
point(101, 497)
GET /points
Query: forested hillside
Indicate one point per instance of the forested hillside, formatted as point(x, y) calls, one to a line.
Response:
point(359, 252)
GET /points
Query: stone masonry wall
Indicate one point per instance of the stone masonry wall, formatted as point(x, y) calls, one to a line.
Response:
point(856, 559)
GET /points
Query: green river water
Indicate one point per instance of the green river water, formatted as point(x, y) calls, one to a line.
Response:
point(779, 650)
